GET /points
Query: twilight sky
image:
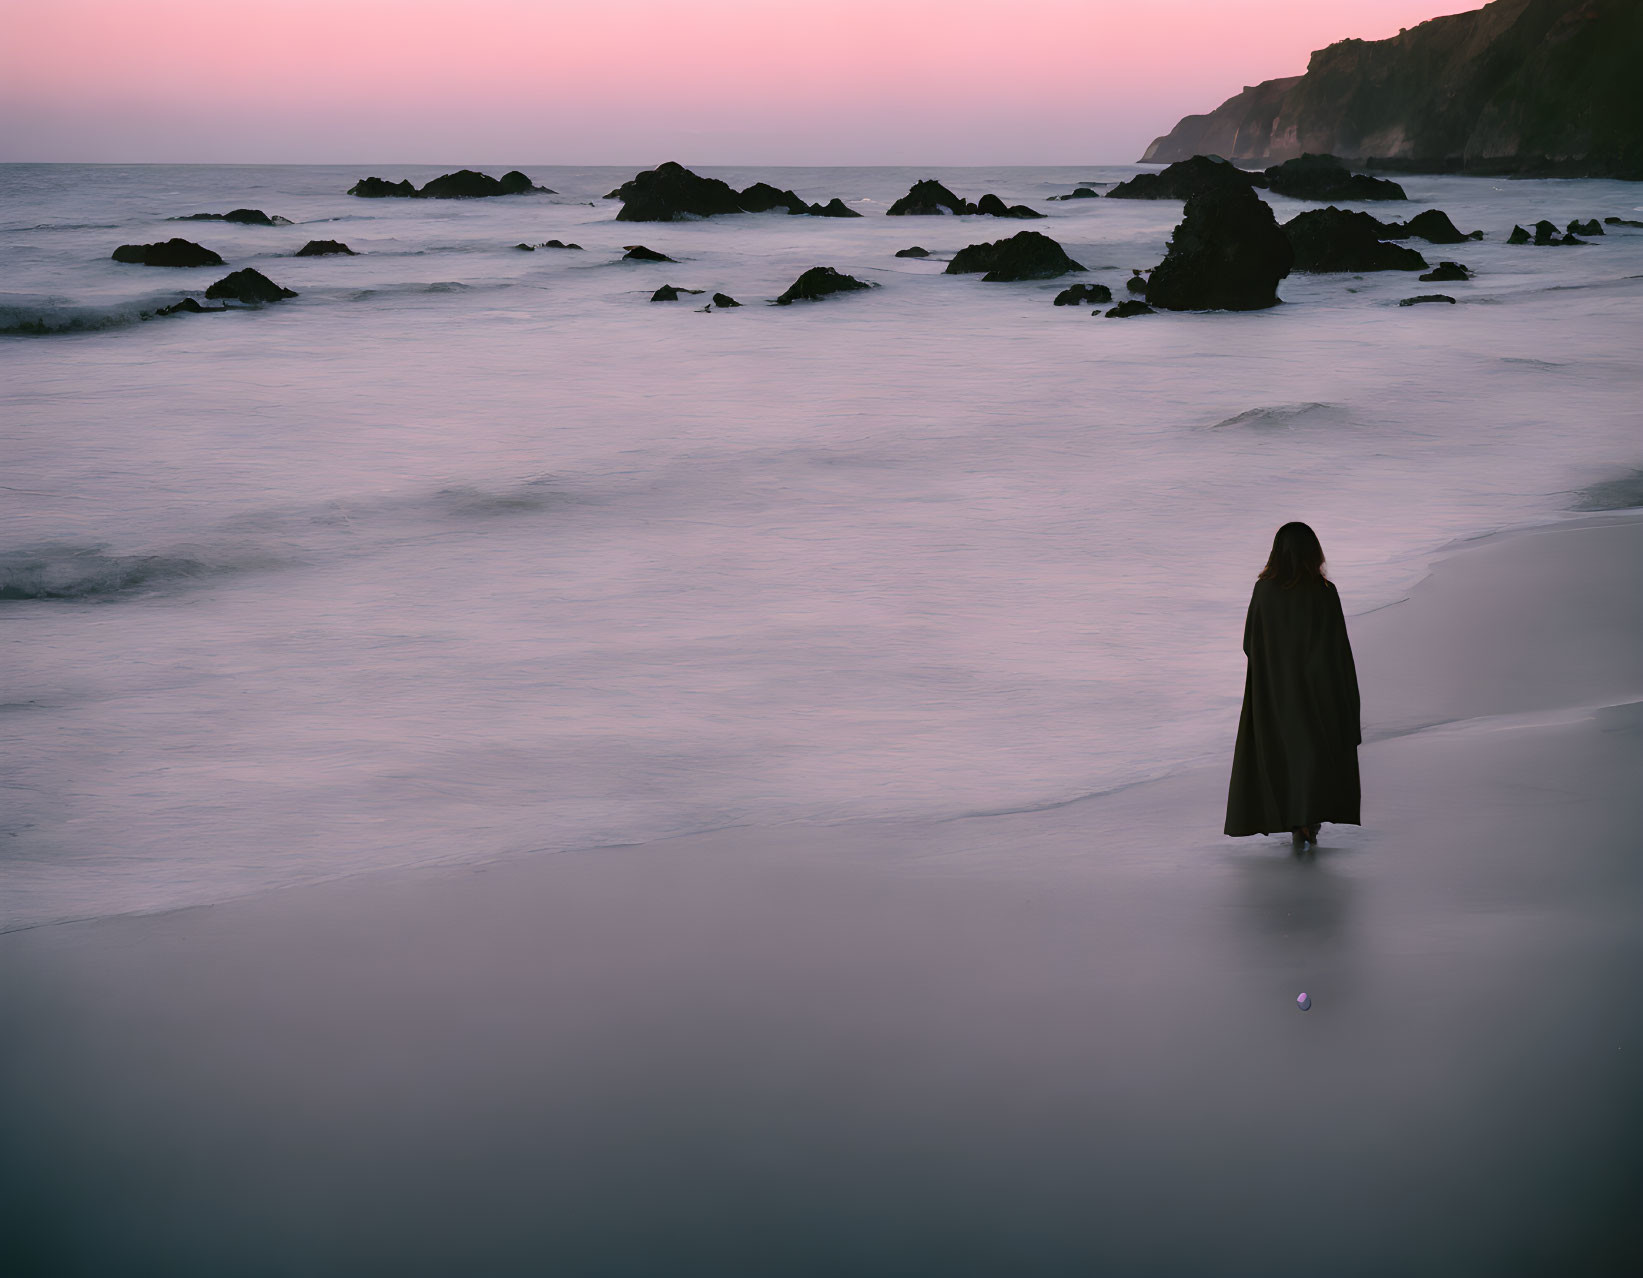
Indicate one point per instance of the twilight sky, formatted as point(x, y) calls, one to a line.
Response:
point(640, 81)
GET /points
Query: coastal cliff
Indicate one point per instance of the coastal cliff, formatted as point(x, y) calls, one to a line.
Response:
point(1518, 86)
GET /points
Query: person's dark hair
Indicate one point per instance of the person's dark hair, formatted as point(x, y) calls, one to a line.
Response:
point(1297, 556)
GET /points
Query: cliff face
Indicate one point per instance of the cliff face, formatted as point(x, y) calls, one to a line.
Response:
point(1517, 86)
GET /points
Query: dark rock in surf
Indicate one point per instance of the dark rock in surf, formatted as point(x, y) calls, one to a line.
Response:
point(187, 306)
point(1125, 310)
point(915, 251)
point(1546, 234)
point(1084, 295)
point(668, 293)
point(330, 248)
point(992, 206)
point(464, 184)
point(639, 253)
point(1326, 178)
point(1184, 179)
point(1137, 283)
point(724, 301)
point(525, 248)
point(560, 244)
point(172, 252)
point(247, 286)
point(927, 198)
point(761, 197)
point(819, 282)
point(1621, 221)
point(1332, 239)
point(1426, 297)
point(1589, 227)
point(243, 217)
point(375, 188)
point(1026, 255)
point(833, 208)
point(1227, 254)
point(1518, 236)
point(670, 192)
point(1433, 226)
point(467, 184)
point(1445, 273)
point(1079, 193)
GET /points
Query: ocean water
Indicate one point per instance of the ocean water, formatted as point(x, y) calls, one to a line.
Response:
point(468, 552)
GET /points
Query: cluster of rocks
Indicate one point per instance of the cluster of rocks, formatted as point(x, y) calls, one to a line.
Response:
point(1084, 295)
point(1446, 272)
point(1079, 193)
point(464, 184)
point(554, 244)
point(671, 293)
point(1309, 177)
point(1622, 221)
point(819, 282)
point(1331, 239)
point(245, 217)
point(247, 286)
point(1026, 255)
point(1546, 233)
point(670, 193)
point(930, 198)
point(1326, 178)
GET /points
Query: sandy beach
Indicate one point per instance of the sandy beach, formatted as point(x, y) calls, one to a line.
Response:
point(1052, 1042)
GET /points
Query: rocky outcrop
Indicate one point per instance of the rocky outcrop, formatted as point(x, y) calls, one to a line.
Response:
point(724, 301)
point(1433, 226)
point(1137, 283)
point(1079, 193)
point(668, 293)
point(1185, 179)
point(1026, 255)
point(172, 252)
point(915, 251)
point(992, 206)
point(1621, 221)
point(1124, 310)
point(464, 184)
point(1589, 227)
point(639, 253)
point(670, 193)
point(244, 217)
point(559, 244)
point(247, 286)
point(1228, 254)
point(1332, 239)
point(329, 248)
point(1427, 297)
point(925, 199)
point(1325, 178)
point(1517, 86)
point(1545, 235)
point(1446, 272)
point(819, 282)
point(930, 198)
point(1084, 295)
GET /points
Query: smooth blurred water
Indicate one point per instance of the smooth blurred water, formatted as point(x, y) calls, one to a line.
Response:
point(468, 551)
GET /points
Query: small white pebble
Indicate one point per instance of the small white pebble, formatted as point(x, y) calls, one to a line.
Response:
point(1304, 1003)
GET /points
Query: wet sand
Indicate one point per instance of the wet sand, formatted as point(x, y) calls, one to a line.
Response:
point(1055, 1042)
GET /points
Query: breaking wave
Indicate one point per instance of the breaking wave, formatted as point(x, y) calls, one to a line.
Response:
point(1278, 416)
point(89, 572)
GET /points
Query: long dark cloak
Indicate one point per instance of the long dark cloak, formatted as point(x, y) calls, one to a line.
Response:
point(1296, 761)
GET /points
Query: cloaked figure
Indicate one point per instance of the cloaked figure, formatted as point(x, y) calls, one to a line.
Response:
point(1296, 762)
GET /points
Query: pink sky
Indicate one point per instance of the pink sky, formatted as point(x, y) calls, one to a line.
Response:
point(638, 81)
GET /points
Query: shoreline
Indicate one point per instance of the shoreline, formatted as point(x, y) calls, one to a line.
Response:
point(1054, 1041)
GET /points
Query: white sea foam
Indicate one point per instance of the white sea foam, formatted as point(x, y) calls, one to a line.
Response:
point(400, 571)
